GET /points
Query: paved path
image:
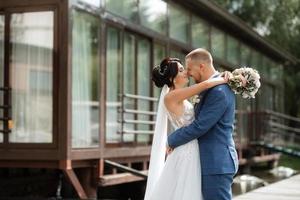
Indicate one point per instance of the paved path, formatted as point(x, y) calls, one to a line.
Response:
point(288, 189)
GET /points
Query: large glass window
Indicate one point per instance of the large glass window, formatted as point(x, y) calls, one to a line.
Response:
point(265, 67)
point(178, 23)
point(245, 56)
point(256, 60)
point(233, 50)
point(200, 33)
point(153, 14)
point(31, 73)
point(1, 68)
point(274, 71)
point(125, 8)
point(178, 54)
point(143, 84)
point(266, 97)
point(136, 81)
point(242, 105)
point(113, 85)
point(129, 82)
point(159, 54)
point(217, 43)
point(92, 2)
point(85, 80)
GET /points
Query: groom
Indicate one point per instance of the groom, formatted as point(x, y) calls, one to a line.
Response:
point(213, 127)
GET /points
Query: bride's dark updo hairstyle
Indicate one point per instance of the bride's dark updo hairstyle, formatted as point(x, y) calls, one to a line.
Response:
point(165, 72)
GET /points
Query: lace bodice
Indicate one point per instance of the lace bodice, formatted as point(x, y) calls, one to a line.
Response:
point(185, 119)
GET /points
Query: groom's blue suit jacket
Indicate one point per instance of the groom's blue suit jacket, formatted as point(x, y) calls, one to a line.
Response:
point(213, 127)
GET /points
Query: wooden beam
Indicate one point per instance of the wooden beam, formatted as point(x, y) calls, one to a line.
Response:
point(28, 164)
point(70, 174)
point(126, 152)
point(115, 179)
point(65, 164)
point(265, 158)
point(126, 169)
point(88, 180)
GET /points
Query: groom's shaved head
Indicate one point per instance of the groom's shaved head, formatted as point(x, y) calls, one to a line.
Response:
point(200, 55)
point(199, 64)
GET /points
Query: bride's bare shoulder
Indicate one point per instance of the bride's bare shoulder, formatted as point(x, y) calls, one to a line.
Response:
point(172, 105)
point(169, 98)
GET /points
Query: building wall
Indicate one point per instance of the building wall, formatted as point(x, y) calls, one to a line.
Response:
point(138, 34)
point(124, 40)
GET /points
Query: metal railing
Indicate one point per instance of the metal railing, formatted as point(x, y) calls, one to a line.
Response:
point(134, 121)
point(277, 131)
point(249, 127)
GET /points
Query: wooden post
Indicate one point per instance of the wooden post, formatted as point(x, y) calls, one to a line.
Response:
point(88, 181)
point(70, 174)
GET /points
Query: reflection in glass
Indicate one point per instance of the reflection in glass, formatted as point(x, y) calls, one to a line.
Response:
point(129, 83)
point(200, 33)
point(1, 69)
point(143, 82)
point(124, 8)
point(217, 43)
point(233, 50)
point(159, 54)
point(245, 56)
point(266, 97)
point(178, 23)
point(256, 60)
point(242, 121)
point(178, 54)
point(85, 79)
point(31, 73)
point(92, 2)
point(153, 14)
point(113, 85)
point(274, 71)
point(279, 90)
point(265, 67)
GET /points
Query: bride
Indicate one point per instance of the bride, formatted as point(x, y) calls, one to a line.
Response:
point(179, 176)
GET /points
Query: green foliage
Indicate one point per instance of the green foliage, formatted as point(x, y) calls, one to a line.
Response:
point(289, 161)
point(279, 22)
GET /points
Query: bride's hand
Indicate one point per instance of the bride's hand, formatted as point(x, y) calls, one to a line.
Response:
point(218, 80)
point(169, 150)
point(226, 75)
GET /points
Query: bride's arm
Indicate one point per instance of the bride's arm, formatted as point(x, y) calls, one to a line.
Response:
point(177, 96)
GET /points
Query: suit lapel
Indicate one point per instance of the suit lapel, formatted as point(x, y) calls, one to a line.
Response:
point(198, 105)
point(201, 97)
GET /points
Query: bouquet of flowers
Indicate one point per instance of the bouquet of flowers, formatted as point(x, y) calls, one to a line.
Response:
point(245, 81)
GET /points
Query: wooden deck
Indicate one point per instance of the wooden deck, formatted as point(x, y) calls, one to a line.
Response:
point(288, 189)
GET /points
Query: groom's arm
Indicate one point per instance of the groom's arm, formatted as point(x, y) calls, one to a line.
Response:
point(212, 110)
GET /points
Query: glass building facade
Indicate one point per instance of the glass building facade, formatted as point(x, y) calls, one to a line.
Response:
point(123, 40)
point(75, 77)
point(169, 30)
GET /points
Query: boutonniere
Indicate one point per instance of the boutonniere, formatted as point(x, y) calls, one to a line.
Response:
point(195, 99)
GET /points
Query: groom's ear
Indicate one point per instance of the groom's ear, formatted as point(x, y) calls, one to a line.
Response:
point(201, 66)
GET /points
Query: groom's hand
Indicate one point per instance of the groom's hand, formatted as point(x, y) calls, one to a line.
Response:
point(169, 150)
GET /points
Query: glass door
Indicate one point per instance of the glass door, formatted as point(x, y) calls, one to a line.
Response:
point(2, 22)
point(26, 77)
point(31, 71)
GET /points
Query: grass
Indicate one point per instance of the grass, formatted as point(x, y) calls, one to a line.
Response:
point(289, 161)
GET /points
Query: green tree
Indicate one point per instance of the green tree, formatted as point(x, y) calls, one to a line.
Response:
point(279, 22)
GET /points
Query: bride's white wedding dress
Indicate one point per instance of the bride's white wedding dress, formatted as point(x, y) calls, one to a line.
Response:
point(180, 178)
